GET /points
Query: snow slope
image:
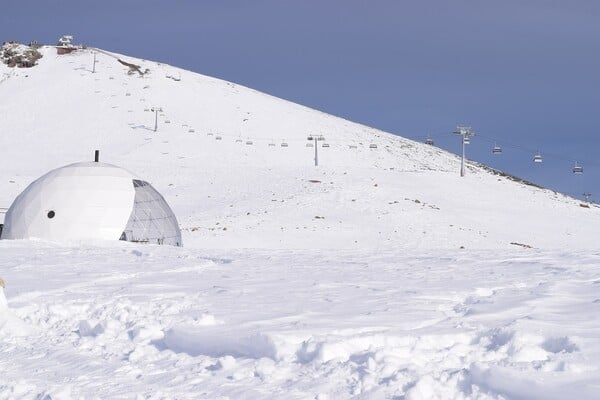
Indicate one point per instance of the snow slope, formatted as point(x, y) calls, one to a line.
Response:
point(226, 193)
point(342, 281)
point(162, 322)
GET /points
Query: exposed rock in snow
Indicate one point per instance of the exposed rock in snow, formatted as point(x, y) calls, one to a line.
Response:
point(19, 55)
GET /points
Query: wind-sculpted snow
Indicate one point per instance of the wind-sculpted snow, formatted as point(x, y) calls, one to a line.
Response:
point(162, 322)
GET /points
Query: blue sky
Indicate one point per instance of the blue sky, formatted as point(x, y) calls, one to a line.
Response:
point(523, 73)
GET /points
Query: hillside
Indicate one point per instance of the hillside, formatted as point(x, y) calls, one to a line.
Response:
point(379, 274)
point(228, 194)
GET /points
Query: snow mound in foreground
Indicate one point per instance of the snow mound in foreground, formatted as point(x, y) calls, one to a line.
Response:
point(188, 323)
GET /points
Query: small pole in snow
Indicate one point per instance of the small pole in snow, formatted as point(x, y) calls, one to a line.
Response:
point(94, 64)
point(96, 155)
point(466, 133)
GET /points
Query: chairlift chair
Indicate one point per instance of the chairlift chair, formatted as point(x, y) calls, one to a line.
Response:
point(372, 146)
point(191, 130)
point(497, 149)
point(309, 144)
point(429, 141)
point(466, 140)
point(238, 140)
point(249, 142)
point(577, 169)
point(538, 158)
point(325, 145)
point(284, 144)
point(218, 138)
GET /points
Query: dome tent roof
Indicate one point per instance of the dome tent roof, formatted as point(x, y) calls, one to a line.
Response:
point(90, 201)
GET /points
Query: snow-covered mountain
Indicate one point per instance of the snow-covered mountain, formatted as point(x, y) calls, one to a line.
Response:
point(345, 280)
point(227, 193)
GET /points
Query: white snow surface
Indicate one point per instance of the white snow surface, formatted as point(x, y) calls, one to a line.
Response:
point(381, 274)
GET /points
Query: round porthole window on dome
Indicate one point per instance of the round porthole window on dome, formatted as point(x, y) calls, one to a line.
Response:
point(51, 214)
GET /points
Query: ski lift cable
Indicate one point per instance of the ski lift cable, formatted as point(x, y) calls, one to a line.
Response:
point(480, 137)
point(547, 155)
point(504, 143)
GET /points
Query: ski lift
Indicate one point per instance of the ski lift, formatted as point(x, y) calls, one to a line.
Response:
point(466, 140)
point(167, 121)
point(497, 149)
point(218, 138)
point(538, 158)
point(309, 144)
point(577, 169)
point(271, 144)
point(429, 141)
point(209, 134)
point(325, 145)
point(249, 142)
point(191, 130)
point(238, 140)
point(352, 146)
point(372, 146)
point(284, 144)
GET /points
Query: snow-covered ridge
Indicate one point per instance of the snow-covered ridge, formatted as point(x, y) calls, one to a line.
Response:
point(219, 160)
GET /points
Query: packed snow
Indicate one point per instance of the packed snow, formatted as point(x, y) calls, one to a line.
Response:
point(379, 274)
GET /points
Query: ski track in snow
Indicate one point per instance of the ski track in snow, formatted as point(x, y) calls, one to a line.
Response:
point(111, 322)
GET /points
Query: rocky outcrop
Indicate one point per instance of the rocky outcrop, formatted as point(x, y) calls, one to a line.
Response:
point(15, 54)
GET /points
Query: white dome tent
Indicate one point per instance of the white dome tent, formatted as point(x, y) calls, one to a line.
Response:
point(91, 201)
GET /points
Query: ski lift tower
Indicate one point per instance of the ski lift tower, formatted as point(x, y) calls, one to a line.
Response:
point(316, 139)
point(466, 133)
point(587, 196)
point(156, 111)
point(94, 63)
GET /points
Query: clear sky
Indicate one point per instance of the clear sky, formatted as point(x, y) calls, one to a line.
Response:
point(523, 73)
